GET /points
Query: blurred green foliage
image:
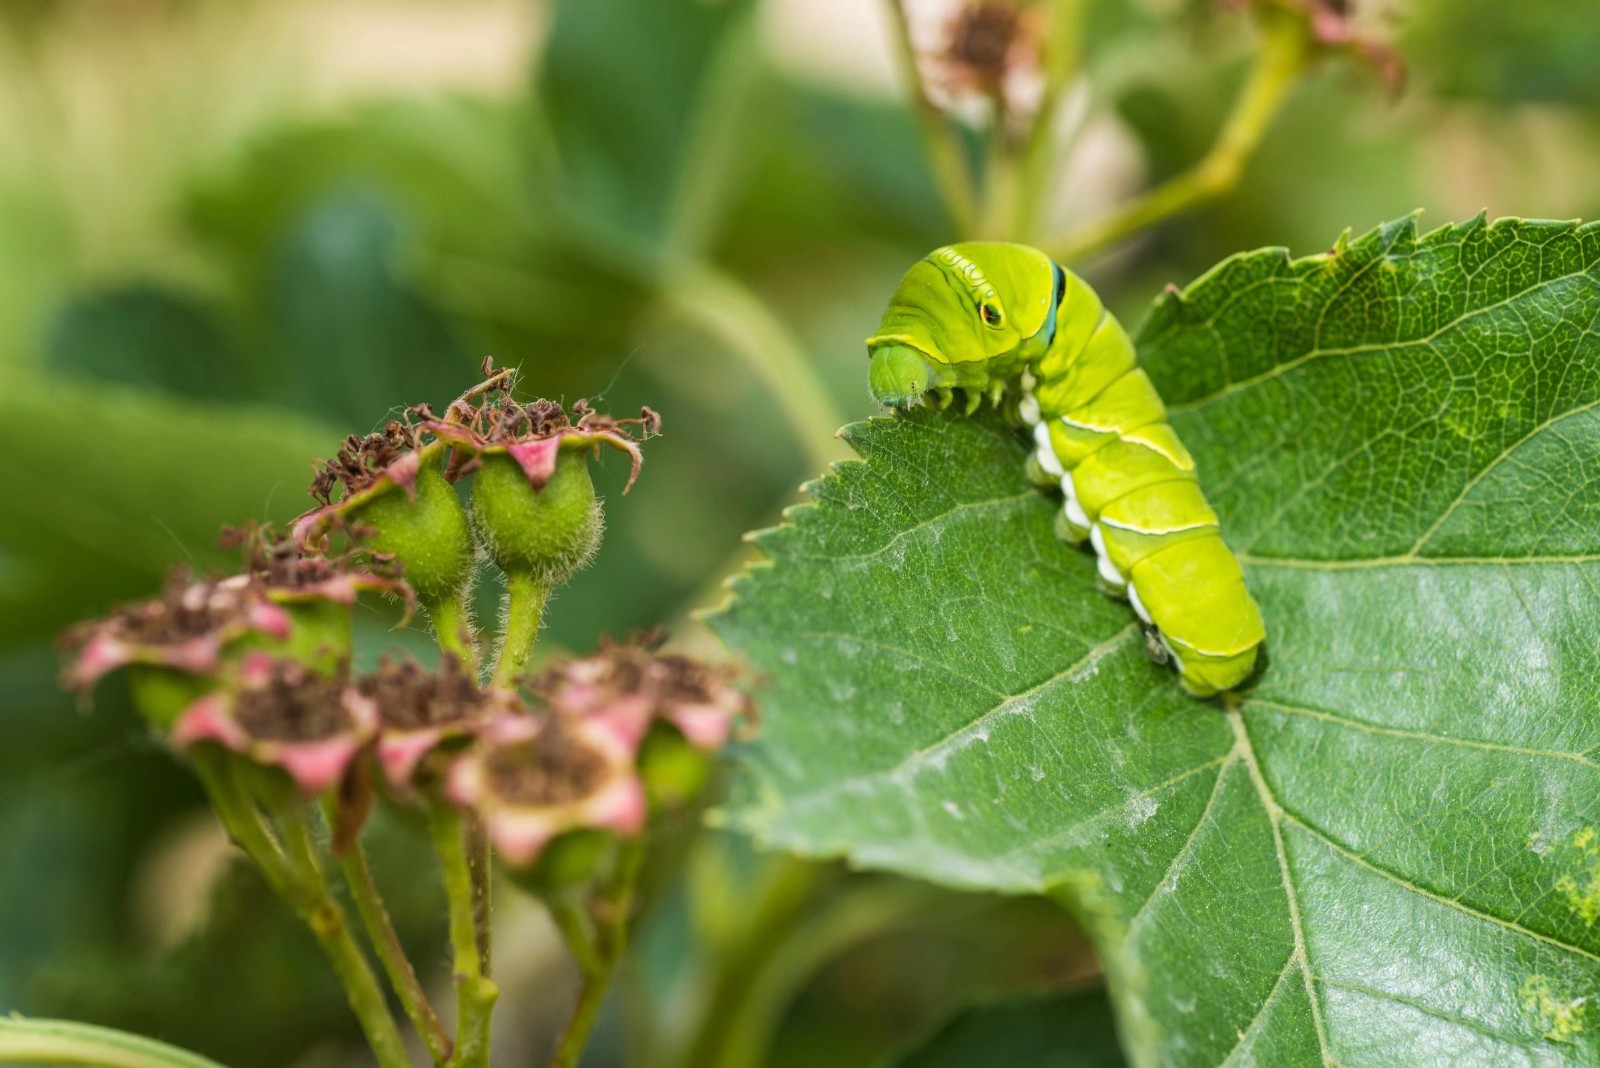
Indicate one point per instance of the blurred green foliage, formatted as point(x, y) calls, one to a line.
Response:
point(213, 269)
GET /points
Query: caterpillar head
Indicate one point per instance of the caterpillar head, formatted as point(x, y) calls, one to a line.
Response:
point(961, 317)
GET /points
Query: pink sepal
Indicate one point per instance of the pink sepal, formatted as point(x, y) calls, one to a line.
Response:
point(520, 835)
point(269, 619)
point(400, 751)
point(620, 806)
point(207, 720)
point(464, 784)
point(703, 726)
point(256, 668)
point(100, 656)
point(538, 459)
point(403, 473)
point(315, 766)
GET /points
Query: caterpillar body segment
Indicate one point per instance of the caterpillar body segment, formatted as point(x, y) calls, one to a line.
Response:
point(1003, 322)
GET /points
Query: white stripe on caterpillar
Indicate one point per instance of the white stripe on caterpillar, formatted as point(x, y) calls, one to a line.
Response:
point(1029, 409)
point(1046, 453)
point(1108, 570)
point(1138, 606)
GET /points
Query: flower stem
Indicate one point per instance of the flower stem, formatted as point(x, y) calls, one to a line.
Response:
point(576, 931)
point(614, 910)
point(452, 629)
point(951, 168)
point(391, 954)
point(1040, 152)
point(475, 991)
point(525, 597)
point(1285, 51)
point(241, 819)
point(292, 872)
point(729, 311)
point(327, 920)
point(478, 861)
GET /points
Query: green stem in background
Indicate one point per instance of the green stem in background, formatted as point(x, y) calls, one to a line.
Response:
point(292, 872)
point(743, 1025)
point(1002, 186)
point(703, 296)
point(726, 309)
point(948, 157)
point(328, 922)
point(391, 954)
point(577, 931)
point(452, 629)
point(237, 811)
point(715, 151)
point(613, 911)
point(1062, 54)
point(525, 597)
point(790, 891)
point(61, 1042)
point(1284, 54)
point(475, 991)
point(478, 861)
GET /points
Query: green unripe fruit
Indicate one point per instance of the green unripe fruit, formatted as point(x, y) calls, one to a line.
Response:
point(674, 772)
point(161, 694)
point(319, 635)
point(570, 862)
point(544, 534)
point(426, 531)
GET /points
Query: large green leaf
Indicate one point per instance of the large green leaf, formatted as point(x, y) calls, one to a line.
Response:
point(1385, 853)
point(105, 489)
point(624, 87)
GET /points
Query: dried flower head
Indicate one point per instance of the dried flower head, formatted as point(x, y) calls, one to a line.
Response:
point(280, 713)
point(532, 434)
point(1356, 29)
point(290, 574)
point(980, 59)
point(626, 686)
point(185, 629)
point(387, 493)
point(530, 780)
point(418, 710)
point(362, 463)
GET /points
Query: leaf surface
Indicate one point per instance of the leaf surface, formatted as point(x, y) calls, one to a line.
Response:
point(1387, 851)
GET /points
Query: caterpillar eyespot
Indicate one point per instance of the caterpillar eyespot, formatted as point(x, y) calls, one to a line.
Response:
point(1066, 369)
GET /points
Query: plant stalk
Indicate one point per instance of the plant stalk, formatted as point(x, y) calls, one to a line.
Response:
point(475, 991)
point(391, 954)
point(614, 910)
point(452, 629)
point(525, 598)
point(327, 920)
point(946, 155)
point(1283, 56)
point(726, 309)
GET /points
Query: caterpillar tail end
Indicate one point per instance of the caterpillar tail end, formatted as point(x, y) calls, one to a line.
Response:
point(1207, 676)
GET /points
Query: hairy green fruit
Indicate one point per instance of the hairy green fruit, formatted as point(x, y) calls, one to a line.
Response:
point(427, 532)
point(541, 533)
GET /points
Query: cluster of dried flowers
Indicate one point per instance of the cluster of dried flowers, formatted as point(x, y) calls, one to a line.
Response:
point(263, 671)
point(258, 664)
point(987, 62)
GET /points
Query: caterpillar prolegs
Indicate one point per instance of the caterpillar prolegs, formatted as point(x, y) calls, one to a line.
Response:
point(1003, 322)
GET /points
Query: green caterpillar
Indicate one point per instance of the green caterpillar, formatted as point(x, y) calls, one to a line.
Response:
point(1002, 321)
